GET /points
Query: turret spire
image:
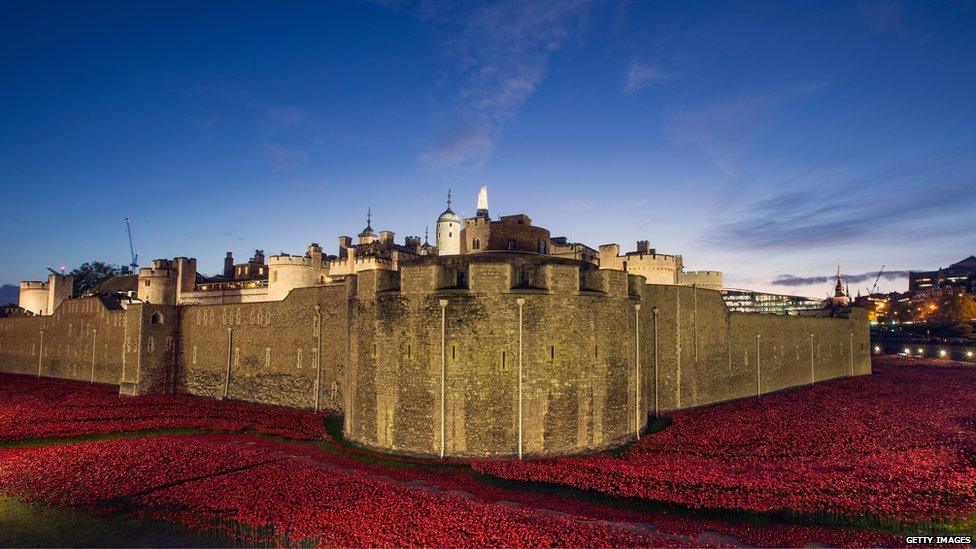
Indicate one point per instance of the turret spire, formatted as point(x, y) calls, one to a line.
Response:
point(369, 224)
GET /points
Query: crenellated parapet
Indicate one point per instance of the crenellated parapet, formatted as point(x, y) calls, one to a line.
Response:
point(708, 280)
point(502, 274)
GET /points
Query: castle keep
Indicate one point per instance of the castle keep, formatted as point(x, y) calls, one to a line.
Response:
point(499, 340)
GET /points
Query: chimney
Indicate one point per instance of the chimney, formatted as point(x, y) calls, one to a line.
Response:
point(229, 265)
point(643, 246)
point(386, 238)
point(259, 256)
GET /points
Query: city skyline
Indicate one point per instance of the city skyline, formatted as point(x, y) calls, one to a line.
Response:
point(679, 125)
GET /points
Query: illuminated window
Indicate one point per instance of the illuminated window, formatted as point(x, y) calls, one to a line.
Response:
point(511, 244)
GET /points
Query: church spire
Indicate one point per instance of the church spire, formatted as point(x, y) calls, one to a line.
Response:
point(839, 286)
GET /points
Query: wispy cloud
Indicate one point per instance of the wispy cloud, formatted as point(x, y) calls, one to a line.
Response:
point(285, 159)
point(792, 280)
point(727, 129)
point(461, 145)
point(919, 196)
point(502, 50)
point(640, 76)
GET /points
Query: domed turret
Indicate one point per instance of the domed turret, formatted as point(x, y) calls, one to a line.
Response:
point(448, 231)
point(368, 235)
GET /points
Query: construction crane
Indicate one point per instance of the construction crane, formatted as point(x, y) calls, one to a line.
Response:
point(134, 264)
point(874, 289)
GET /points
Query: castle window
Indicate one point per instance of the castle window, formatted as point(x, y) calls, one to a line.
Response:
point(511, 244)
point(274, 277)
point(147, 282)
point(552, 352)
point(542, 246)
point(450, 235)
point(476, 244)
point(156, 318)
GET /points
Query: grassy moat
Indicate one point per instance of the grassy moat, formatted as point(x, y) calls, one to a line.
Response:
point(826, 464)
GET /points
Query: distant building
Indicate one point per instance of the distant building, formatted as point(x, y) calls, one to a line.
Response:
point(748, 301)
point(961, 274)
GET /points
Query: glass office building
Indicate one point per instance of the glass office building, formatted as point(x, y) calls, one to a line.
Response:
point(747, 301)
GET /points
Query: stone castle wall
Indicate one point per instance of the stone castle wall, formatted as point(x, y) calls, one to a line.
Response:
point(82, 336)
point(267, 352)
point(392, 357)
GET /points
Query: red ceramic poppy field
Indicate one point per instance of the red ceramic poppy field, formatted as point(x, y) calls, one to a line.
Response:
point(41, 407)
point(776, 471)
point(897, 445)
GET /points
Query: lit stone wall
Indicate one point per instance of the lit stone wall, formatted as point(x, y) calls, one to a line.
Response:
point(81, 336)
point(709, 280)
point(33, 297)
point(389, 351)
point(271, 348)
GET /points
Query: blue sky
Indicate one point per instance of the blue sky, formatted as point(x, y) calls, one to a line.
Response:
point(766, 140)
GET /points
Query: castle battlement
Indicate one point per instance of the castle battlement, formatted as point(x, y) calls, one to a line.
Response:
point(502, 274)
point(33, 285)
point(289, 260)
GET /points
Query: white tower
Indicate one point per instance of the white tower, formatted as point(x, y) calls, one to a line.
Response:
point(448, 231)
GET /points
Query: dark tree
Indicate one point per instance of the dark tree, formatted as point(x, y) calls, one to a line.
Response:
point(91, 274)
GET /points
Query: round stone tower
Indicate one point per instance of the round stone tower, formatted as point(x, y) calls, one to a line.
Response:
point(448, 231)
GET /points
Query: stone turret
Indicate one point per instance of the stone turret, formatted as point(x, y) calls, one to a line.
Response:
point(229, 265)
point(165, 280)
point(43, 298)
